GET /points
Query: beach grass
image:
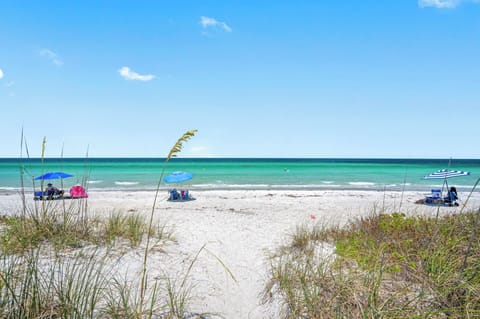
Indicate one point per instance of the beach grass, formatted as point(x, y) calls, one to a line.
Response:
point(380, 266)
point(68, 229)
point(174, 151)
point(53, 265)
point(132, 227)
point(85, 284)
point(48, 268)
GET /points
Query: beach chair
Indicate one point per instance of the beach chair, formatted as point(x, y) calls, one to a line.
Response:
point(39, 195)
point(174, 195)
point(185, 195)
point(435, 197)
point(436, 193)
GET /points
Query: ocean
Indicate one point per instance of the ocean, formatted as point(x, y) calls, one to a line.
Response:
point(240, 173)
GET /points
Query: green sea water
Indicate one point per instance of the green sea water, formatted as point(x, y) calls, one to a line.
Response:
point(244, 173)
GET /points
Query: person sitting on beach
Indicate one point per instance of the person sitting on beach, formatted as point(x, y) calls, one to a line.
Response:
point(184, 194)
point(52, 191)
point(452, 196)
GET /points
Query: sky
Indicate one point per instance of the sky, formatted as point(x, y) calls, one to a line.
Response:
point(306, 78)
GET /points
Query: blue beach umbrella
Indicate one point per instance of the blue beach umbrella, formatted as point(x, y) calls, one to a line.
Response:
point(178, 177)
point(53, 175)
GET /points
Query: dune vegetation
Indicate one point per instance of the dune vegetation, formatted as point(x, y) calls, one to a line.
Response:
point(381, 266)
point(58, 260)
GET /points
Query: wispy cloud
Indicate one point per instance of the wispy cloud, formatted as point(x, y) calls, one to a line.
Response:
point(9, 84)
point(1, 73)
point(52, 56)
point(207, 22)
point(443, 4)
point(128, 74)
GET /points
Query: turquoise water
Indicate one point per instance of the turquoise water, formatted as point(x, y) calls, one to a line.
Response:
point(144, 173)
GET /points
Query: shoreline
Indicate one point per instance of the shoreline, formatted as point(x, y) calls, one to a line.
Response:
point(369, 188)
point(240, 228)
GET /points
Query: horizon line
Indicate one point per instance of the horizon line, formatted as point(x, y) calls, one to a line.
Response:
point(262, 158)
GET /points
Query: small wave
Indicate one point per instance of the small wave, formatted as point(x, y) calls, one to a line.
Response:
point(434, 185)
point(307, 186)
point(246, 186)
point(361, 183)
point(9, 188)
point(94, 182)
point(327, 182)
point(126, 183)
point(265, 186)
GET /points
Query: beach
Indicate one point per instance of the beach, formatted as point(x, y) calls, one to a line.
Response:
point(234, 231)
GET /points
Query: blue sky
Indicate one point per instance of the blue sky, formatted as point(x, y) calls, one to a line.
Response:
point(256, 78)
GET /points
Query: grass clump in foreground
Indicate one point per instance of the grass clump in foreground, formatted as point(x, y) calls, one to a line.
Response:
point(67, 228)
point(382, 266)
point(53, 264)
point(41, 279)
point(85, 284)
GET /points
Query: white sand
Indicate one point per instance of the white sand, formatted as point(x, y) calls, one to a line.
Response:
point(240, 228)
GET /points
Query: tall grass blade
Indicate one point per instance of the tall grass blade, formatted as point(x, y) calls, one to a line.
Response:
point(177, 147)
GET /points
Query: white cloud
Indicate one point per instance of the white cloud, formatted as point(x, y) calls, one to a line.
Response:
point(128, 74)
point(211, 22)
point(52, 56)
point(442, 4)
point(1, 73)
